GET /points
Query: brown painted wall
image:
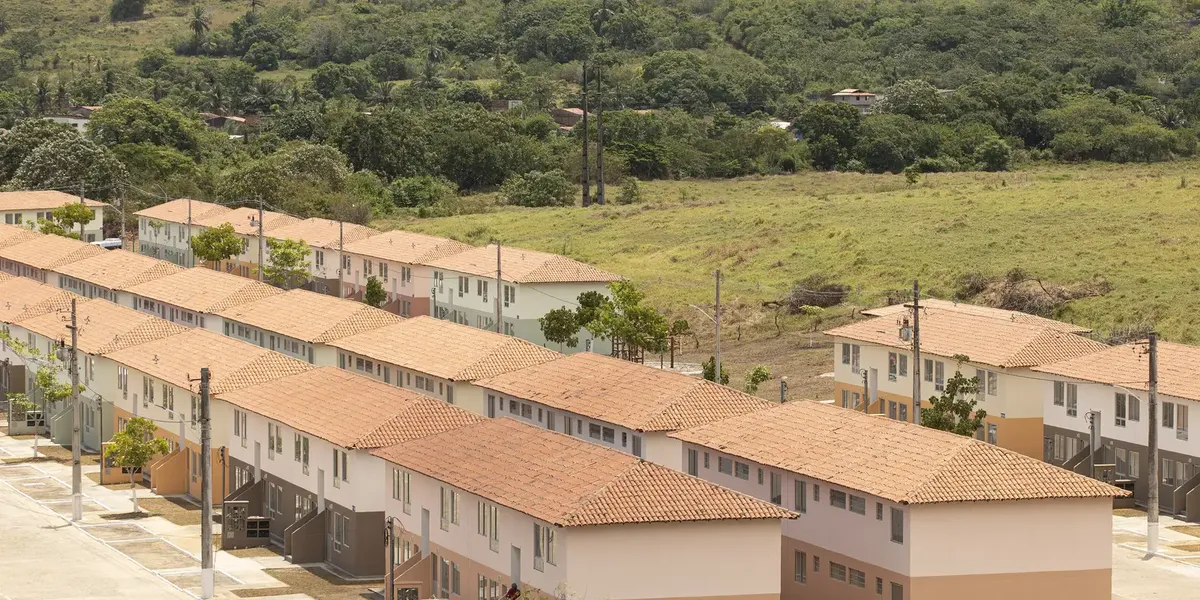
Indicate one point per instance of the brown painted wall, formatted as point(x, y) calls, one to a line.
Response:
point(183, 468)
point(820, 586)
point(1019, 435)
point(1076, 585)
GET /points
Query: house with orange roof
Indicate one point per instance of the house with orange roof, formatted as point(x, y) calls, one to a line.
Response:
point(164, 232)
point(518, 285)
point(111, 274)
point(1108, 392)
point(873, 360)
point(245, 225)
point(895, 510)
point(24, 208)
point(23, 299)
point(37, 257)
point(196, 297)
point(474, 510)
point(311, 484)
point(437, 358)
point(399, 260)
point(616, 403)
point(326, 240)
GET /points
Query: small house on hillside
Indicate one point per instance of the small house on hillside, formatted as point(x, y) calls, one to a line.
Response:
point(567, 117)
point(860, 99)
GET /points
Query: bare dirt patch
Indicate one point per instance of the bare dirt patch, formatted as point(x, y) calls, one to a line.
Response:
point(156, 554)
point(315, 582)
point(1129, 512)
point(118, 532)
point(1192, 530)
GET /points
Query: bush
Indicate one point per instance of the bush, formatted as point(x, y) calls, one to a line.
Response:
point(538, 188)
point(263, 56)
point(420, 191)
point(815, 290)
point(993, 155)
point(122, 10)
point(631, 192)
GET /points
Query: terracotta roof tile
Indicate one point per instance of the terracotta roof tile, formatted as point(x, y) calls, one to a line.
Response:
point(176, 211)
point(103, 326)
point(1129, 366)
point(899, 461)
point(624, 393)
point(22, 298)
point(50, 251)
point(406, 247)
point(309, 316)
point(204, 290)
point(444, 349)
point(523, 266)
point(983, 339)
point(245, 220)
point(177, 359)
point(40, 200)
point(569, 482)
point(975, 309)
point(323, 233)
point(349, 410)
point(11, 235)
point(118, 269)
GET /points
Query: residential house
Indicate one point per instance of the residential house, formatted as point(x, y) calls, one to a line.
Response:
point(22, 299)
point(36, 258)
point(895, 510)
point(102, 327)
point(109, 275)
point(398, 259)
point(564, 518)
point(196, 297)
point(160, 380)
point(324, 237)
point(615, 403)
point(163, 230)
point(860, 99)
point(25, 208)
point(311, 482)
point(872, 359)
point(437, 358)
point(75, 117)
point(301, 324)
point(11, 235)
point(1109, 390)
point(905, 310)
point(534, 283)
point(245, 224)
point(567, 117)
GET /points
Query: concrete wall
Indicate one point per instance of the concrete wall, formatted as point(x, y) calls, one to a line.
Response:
point(580, 426)
point(459, 393)
point(93, 231)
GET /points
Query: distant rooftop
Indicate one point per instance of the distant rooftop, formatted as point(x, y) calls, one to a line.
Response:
point(523, 266)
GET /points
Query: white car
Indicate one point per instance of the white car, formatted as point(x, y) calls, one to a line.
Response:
point(109, 243)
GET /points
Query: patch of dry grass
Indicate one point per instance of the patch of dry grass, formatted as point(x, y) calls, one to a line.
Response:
point(1192, 530)
point(1129, 512)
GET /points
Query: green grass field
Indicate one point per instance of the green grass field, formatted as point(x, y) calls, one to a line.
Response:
point(1134, 226)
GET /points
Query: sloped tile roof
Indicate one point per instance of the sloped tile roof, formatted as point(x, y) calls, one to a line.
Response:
point(1129, 366)
point(309, 316)
point(176, 211)
point(245, 220)
point(569, 482)
point(617, 391)
point(50, 251)
point(41, 200)
point(322, 233)
point(983, 339)
point(444, 349)
point(233, 364)
point(11, 235)
point(523, 266)
point(975, 309)
point(103, 326)
point(204, 290)
point(22, 298)
point(902, 462)
point(118, 269)
point(349, 410)
point(406, 247)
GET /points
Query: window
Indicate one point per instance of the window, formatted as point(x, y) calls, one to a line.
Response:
point(1135, 408)
point(706, 460)
point(1167, 472)
point(991, 433)
point(904, 365)
point(858, 578)
point(878, 511)
point(449, 508)
point(543, 546)
point(488, 517)
point(1168, 416)
point(879, 586)
point(893, 365)
point(891, 409)
point(801, 567)
point(801, 496)
point(837, 499)
point(1060, 393)
point(854, 355)
point(939, 375)
point(928, 369)
point(858, 505)
point(724, 465)
point(816, 493)
point(1119, 410)
point(1072, 400)
point(993, 382)
point(741, 470)
point(897, 525)
point(845, 354)
point(777, 489)
point(608, 434)
point(897, 591)
point(593, 431)
point(693, 466)
point(1122, 462)
point(1181, 422)
point(760, 476)
point(904, 412)
point(816, 564)
point(837, 571)
point(527, 412)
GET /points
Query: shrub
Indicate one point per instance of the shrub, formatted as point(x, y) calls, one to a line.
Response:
point(815, 290)
point(263, 56)
point(631, 192)
point(126, 9)
point(538, 188)
point(993, 155)
point(420, 191)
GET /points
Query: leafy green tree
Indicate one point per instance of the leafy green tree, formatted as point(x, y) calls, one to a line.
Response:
point(835, 120)
point(251, 181)
point(138, 120)
point(68, 160)
point(133, 448)
point(954, 410)
point(263, 56)
point(124, 10)
point(25, 42)
point(287, 267)
point(911, 97)
point(375, 295)
point(65, 219)
point(22, 140)
point(420, 191)
point(755, 377)
point(538, 188)
point(8, 64)
point(993, 155)
point(627, 322)
point(709, 368)
point(216, 244)
point(333, 80)
point(559, 326)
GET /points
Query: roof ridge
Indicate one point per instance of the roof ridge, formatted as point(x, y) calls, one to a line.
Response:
point(928, 475)
point(587, 499)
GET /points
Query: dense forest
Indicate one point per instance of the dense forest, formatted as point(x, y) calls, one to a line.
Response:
point(364, 109)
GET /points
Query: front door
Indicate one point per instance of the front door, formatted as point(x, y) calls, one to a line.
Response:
point(320, 490)
point(516, 566)
point(424, 532)
point(257, 461)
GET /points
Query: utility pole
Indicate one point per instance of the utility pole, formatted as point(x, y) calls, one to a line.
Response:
point(916, 352)
point(121, 208)
point(341, 260)
point(587, 184)
point(81, 201)
point(600, 129)
point(206, 508)
point(4, 387)
point(260, 238)
point(717, 320)
point(191, 257)
point(1152, 492)
point(389, 583)
point(866, 394)
point(499, 289)
point(76, 438)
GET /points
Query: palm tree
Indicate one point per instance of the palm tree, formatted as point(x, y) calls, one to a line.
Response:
point(216, 101)
point(254, 4)
point(199, 22)
point(262, 95)
point(41, 93)
point(156, 91)
point(384, 94)
point(61, 97)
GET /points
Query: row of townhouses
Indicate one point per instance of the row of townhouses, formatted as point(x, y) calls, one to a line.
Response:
point(23, 209)
point(338, 428)
point(422, 275)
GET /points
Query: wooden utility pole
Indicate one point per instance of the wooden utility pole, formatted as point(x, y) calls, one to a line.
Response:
point(341, 260)
point(866, 393)
point(1152, 472)
point(191, 257)
point(389, 582)
point(206, 508)
point(717, 321)
point(587, 183)
point(260, 239)
point(916, 335)
point(81, 201)
point(76, 410)
point(499, 290)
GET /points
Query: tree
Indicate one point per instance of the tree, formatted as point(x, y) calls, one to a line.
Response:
point(22, 140)
point(138, 120)
point(132, 449)
point(993, 155)
point(69, 160)
point(287, 266)
point(954, 410)
point(836, 120)
point(911, 97)
point(122, 10)
point(375, 294)
point(754, 377)
point(199, 21)
point(538, 188)
point(632, 327)
point(25, 43)
point(65, 219)
point(710, 368)
point(216, 244)
point(263, 56)
point(333, 80)
point(559, 326)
